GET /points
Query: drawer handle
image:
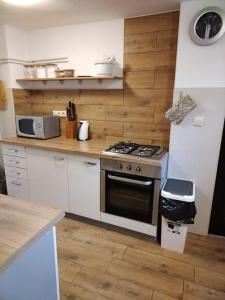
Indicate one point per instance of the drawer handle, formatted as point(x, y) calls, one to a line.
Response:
point(14, 162)
point(14, 172)
point(16, 183)
point(59, 158)
point(13, 150)
point(90, 163)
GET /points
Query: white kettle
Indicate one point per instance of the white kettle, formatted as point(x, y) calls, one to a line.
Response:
point(83, 131)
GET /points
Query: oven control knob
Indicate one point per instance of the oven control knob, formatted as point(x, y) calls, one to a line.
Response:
point(138, 169)
point(129, 167)
point(121, 166)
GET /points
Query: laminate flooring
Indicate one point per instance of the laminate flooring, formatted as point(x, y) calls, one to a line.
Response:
point(100, 263)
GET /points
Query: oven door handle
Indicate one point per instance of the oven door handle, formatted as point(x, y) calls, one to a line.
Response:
point(129, 180)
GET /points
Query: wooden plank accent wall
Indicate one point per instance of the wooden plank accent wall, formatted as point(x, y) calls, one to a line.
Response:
point(137, 112)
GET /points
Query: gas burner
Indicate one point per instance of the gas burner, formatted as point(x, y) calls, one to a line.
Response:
point(122, 148)
point(148, 148)
point(145, 150)
point(149, 151)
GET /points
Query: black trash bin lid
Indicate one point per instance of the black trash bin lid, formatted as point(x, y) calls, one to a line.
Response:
point(178, 189)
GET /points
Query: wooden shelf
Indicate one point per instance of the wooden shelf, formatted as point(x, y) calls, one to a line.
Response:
point(99, 78)
point(92, 82)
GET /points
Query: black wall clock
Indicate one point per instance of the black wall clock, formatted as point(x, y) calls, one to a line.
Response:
point(208, 26)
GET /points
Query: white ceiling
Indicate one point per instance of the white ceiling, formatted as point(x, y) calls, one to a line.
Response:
point(48, 13)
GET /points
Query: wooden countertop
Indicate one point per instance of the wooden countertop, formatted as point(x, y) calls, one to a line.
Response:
point(21, 225)
point(92, 147)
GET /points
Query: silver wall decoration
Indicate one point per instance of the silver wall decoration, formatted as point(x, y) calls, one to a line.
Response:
point(180, 109)
point(208, 26)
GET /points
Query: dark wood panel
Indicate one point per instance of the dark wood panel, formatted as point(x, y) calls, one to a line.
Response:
point(152, 23)
point(150, 61)
point(141, 79)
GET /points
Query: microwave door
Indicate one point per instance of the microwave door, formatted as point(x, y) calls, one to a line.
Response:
point(25, 127)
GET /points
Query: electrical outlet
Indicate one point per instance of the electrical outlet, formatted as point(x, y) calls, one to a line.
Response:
point(59, 113)
point(198, 121)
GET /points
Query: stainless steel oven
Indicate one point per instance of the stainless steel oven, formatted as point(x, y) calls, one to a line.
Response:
point(130, 190)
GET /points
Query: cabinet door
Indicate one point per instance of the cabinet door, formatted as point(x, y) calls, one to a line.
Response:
point(47, 173)
point(84, 186)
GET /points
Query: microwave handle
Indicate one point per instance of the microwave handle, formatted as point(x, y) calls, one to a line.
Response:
point(129, 180)
point(34, 126)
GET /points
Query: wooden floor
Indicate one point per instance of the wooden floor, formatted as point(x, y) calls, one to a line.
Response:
point(96, 263)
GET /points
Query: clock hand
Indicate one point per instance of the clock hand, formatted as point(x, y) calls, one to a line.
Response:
point(207, 31)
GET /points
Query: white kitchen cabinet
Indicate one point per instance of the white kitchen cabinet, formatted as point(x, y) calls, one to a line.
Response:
point(47, 172)
point(15, 163)
point(84, 186)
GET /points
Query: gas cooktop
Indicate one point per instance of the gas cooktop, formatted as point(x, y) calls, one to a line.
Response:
point(153, 152)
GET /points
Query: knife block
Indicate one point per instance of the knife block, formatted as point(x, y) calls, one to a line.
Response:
point(71, 129)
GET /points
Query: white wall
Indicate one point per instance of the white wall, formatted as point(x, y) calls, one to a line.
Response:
point(16, 40)
point(198, 66)
point(14, 46)
point(3, 44)
point(82, 44)
point(194, 151)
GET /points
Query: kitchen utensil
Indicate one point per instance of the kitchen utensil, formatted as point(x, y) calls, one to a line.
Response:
point(71, 128)
point(83, 131)
point(60, 73)
point(68, 72)
point(29, 71)
point(40, 71)
point(51, 70)
point(104, 66)
point(71, 111)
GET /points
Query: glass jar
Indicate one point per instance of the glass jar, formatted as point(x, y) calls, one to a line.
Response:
point(50, 70)
point(29, 71)
point(40, 71)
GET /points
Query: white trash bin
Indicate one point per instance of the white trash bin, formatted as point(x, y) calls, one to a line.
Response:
point(173, 236)
point(174, 232)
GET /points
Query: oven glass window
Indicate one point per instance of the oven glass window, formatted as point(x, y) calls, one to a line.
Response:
point(26, 126)
point(129, 196)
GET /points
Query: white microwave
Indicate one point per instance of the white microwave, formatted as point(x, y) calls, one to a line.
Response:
point(39, 127)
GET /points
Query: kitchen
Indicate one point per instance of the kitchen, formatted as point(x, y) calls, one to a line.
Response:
point(156, 61)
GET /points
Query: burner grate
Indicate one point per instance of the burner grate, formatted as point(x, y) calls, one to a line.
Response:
point(136, 149)
point(123, 148)
point(145, 150)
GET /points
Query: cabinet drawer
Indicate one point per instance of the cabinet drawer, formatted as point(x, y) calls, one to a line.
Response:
point(13, 150)
point(17, 188)
point(16, 172)
point(88, 162)
point(13, 161)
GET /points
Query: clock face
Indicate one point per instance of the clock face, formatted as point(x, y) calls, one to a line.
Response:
point(208, 26)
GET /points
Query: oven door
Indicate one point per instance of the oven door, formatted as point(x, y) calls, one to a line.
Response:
point(29, 126)
point(129, 196)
